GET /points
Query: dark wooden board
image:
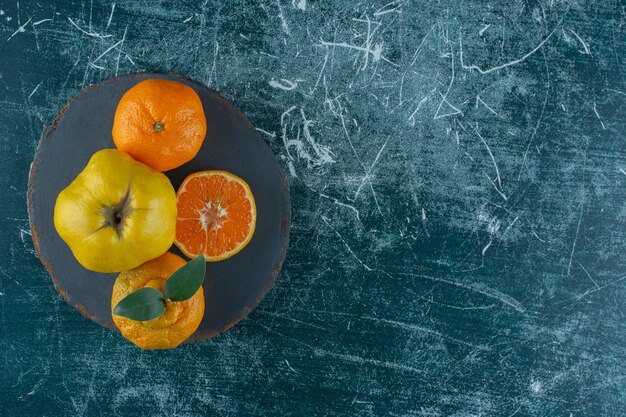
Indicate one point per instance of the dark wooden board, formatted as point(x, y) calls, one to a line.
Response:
point(233, 287)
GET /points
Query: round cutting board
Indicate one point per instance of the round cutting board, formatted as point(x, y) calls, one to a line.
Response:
point(233, 287)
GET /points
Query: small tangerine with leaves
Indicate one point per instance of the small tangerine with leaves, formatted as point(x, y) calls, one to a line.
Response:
point(160, 123)
point(174, 321)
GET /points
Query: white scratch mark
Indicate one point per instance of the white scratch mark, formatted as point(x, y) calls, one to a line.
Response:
point(487, 247)
point(499, 67)
point(504, 197)
point(284, 125)
point(444, 97)
point(188, 19)
point(280, 316)
point(486, 291)
point(368, 41)
point(282, 18)
point(92, 34)
point(484, 104)
point(283, 84)
point(290, 367)
point(319, 77)
point(31, 295)
point(339, 203)
point(325, 219)
point(24, 232)
point(39, 22)
point(270, 134)
point(540, 239)
point(19, 378)
point(595, 110)
point(616, 91)
point(367, 175)
point(510, 225)
point(601, 288)
point(413, 327)
point(586, 51)
point(588, 275)
point(356, 155)
point(384, 10)
point(32, 391)
point(445, 100)
point(292, 170)
point(216, 52)
point(119, 52)
point(571, 256)
point(423, 214)
point(92, 65)
point(301, 4)
point(516, 411)
point(419, 47)
point(361, 360)
point(485, 27)
point(486, 307)
point(419, 105)
point(34, 90)
point(543, 109)
point(324, 153)
point(376, 52)
point(19, 30)
point(109, 49)
point(623, 172)
point(360, 163)
point(270, 55)
point(493, 159)
point(111, 15)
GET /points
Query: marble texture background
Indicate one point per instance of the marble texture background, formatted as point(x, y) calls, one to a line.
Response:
point(457, 173)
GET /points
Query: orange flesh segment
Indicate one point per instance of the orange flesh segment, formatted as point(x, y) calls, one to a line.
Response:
point(216, 215)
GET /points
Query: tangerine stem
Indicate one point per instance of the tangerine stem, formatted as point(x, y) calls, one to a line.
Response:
point(158, 127)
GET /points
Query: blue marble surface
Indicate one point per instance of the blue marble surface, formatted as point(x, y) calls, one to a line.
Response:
point(458, 173)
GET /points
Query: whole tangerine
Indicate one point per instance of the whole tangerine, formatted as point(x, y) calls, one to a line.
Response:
point(160, 123)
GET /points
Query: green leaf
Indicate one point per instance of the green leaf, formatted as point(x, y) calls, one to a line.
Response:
point(144, 304)
point(184, 283)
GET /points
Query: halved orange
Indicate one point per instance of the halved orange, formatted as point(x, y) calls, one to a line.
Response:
point(216, 215)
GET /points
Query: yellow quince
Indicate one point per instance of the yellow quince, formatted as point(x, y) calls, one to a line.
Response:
point(117, 214)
